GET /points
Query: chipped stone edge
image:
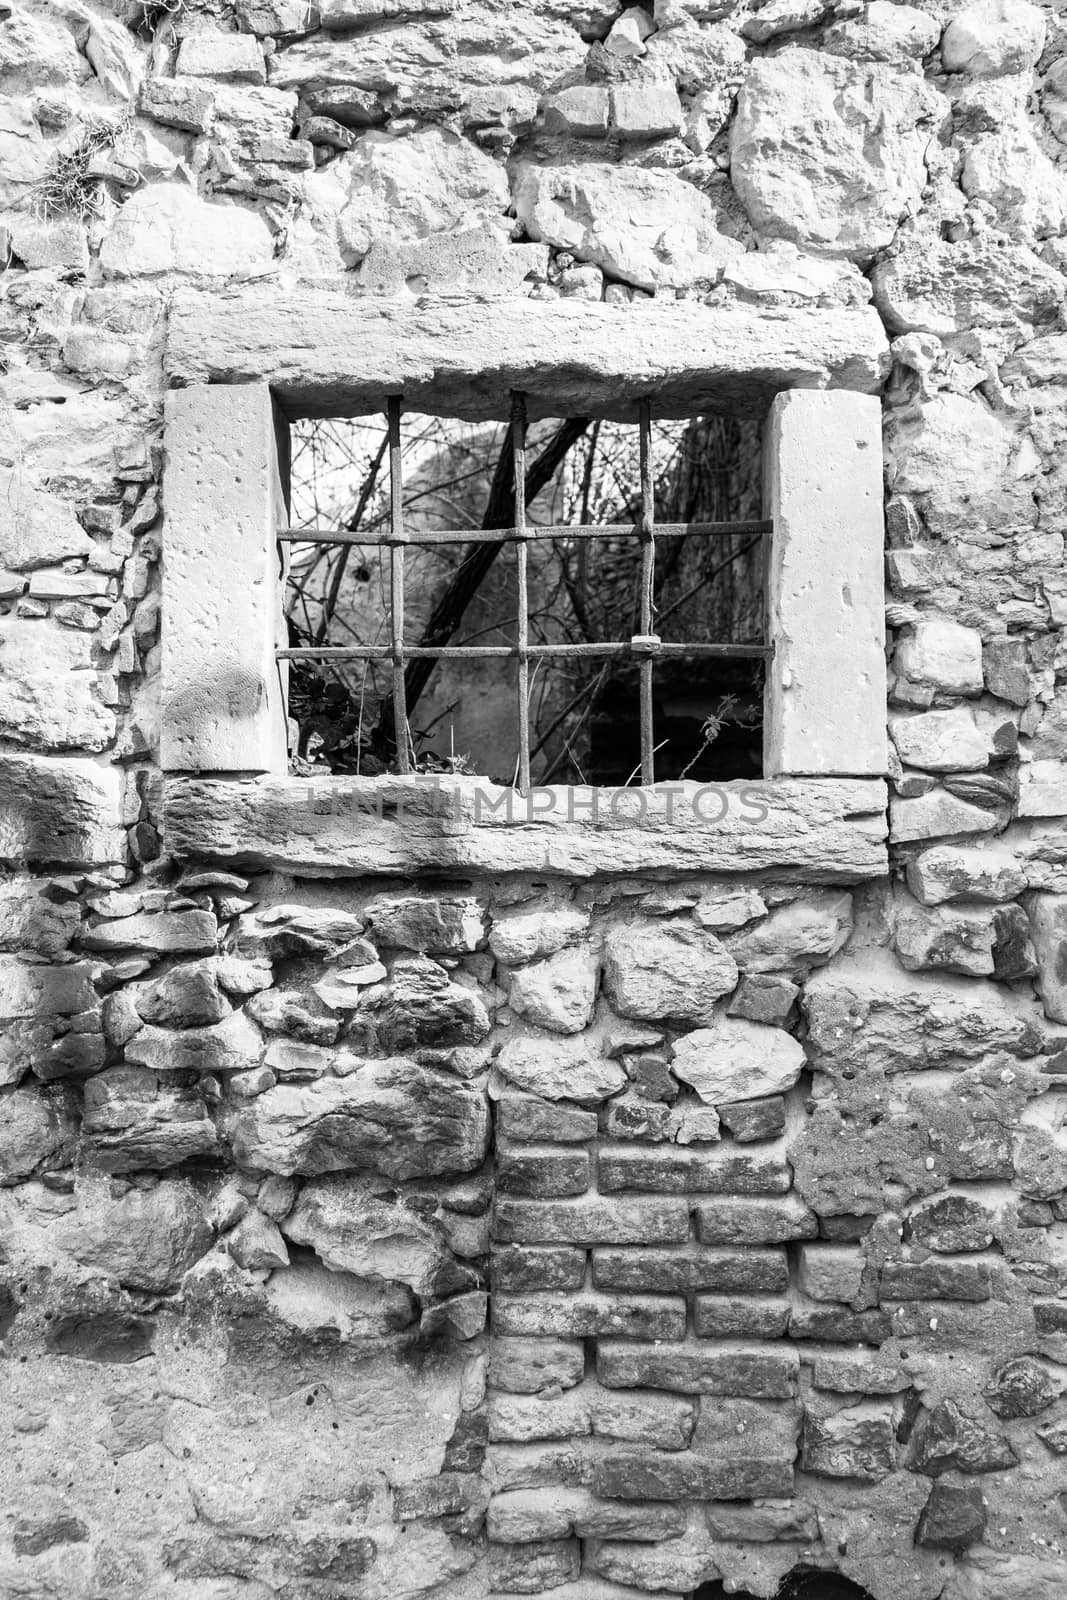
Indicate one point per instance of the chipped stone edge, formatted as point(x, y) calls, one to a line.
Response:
point(327, 352)
point(816, 830)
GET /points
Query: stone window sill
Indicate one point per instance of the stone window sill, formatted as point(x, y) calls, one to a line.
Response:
point(817, 830)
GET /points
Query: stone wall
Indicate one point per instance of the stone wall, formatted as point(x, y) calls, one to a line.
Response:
point(766, 1179)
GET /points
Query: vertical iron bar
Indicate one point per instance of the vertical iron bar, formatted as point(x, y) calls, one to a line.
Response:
point(518, 457)
point(648, 562)
point(396, 585)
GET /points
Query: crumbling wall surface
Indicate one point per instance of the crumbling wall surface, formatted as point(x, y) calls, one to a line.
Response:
point(766, 1181)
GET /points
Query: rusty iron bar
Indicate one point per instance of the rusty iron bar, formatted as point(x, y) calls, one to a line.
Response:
point(518, 457)
point(549, 652)
point(648, 571)
point(607, 530)
point(396, 585)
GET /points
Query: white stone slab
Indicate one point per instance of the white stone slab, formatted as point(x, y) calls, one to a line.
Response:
point(821, 830)
point(334, 352)
point(826, 685)
point(222, 690)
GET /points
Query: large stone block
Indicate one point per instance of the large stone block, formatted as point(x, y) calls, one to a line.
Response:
point(830, 154)
point(464, 359)
point(825, 830)
point(642, 226)
point(48, 689)
point(927, 285)
point(60, 811)
point(876, 1017)
point(965, 468)
point(992, 37)
point(36, 1128)
point(37, 528)
point(168, 228)
point(390, 1116)
point(420, 186)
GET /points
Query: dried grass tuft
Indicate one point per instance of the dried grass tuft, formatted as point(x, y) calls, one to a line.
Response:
point(67, 189)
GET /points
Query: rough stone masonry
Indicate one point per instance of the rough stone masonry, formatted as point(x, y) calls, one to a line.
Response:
point(382, 1236)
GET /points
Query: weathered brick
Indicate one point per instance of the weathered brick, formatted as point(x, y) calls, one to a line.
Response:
point(539, 1465)
point(525, 1117)
point(937, 1322)
point(936, 1280)
point(720, 1170)
point(530, 1568)
point(737, 1317)
point(732, 1426)
point(830, 1271)
point(689, 1267)
point(750, 1120)
point(519, 1418)
point(521, 1515)
point(663, 1420)
point(636, 1476)
point(859, 1374)
point(699, 1369)
point(755, 1221)
point(856, 1442)
point(526, 1366)
point(838, 1325)
point(763, 1524)
point(591, 1221)
point(582, 1316)
point(541, 1171)
point(515, 1268)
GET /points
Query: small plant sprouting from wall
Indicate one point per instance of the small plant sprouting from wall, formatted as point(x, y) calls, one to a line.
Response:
point(69, 187)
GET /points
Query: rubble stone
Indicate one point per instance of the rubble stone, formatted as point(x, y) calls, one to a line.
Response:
point(642, 227)
point(560, 1072)
point(666, 969)
point(392, 1117)
point(558, 993)
point(992, 37)
point(738, 1060)
point(956, 872)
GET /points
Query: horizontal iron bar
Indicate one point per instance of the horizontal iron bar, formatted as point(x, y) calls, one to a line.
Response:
point(612, 530)
point(457, 652)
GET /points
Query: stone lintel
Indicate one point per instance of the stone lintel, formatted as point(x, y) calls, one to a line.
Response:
point(329, 352)
point(820, 830)
point(826, 683)
point(223, 693)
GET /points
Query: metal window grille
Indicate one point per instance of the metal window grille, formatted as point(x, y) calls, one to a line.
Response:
point(646, 646)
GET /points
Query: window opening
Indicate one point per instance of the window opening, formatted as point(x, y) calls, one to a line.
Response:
point(568, 601)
